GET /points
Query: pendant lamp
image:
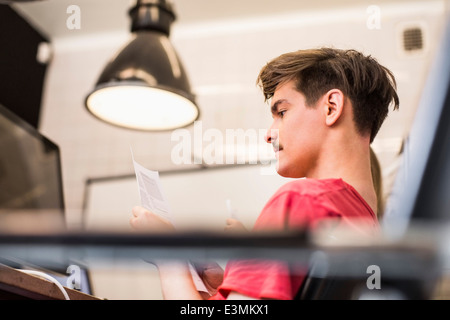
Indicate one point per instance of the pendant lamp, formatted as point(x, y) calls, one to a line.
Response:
point(144, 86)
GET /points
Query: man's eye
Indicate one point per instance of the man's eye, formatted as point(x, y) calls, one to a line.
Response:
point(281, 113)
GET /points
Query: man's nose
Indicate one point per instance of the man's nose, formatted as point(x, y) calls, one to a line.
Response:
point(271, 134)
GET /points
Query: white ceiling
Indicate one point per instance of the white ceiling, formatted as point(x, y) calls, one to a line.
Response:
point(50, 16)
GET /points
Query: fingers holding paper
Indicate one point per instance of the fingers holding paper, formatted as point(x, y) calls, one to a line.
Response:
point(144, 220)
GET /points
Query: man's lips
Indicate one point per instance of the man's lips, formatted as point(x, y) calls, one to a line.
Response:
point(277, 147)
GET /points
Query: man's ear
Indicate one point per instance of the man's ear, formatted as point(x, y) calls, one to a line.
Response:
point(334, 106)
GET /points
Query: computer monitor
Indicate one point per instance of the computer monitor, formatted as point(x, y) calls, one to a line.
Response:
point(31, 191)
point(422, 187)
point(30, 170)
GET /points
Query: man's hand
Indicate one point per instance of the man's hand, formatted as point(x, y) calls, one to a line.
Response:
point(234, 225)
point(144, 220)
point(212, 276)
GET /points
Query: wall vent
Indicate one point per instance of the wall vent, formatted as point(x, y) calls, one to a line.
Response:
point(413, 39)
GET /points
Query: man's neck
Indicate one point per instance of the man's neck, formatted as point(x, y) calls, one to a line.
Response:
point(351, 163)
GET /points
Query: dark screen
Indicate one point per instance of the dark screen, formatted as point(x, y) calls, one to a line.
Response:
point(20, 72)
point(30, 173)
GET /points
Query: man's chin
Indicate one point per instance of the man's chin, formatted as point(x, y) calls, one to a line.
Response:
point(286, 173)
point(282, 171)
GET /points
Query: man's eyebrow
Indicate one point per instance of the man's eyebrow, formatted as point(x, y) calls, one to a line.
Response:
point(274, 107)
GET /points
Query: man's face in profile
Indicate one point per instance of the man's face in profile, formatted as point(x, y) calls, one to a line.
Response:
point(295, 132)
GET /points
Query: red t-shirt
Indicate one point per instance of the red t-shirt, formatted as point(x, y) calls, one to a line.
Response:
point(298, 204)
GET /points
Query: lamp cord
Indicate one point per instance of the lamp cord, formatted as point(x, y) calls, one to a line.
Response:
point(49, 278)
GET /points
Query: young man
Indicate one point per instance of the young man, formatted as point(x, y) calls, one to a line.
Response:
point(327, 107)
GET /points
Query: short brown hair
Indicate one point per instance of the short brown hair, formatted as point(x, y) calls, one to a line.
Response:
point(370, 87)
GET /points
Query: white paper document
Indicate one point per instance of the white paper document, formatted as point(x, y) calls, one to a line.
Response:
point(153, 199)
point(150, 192)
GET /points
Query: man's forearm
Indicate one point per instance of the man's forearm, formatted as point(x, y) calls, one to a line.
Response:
point(176, 281)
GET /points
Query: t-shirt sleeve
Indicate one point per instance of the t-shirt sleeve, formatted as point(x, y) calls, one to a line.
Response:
point(262, 279)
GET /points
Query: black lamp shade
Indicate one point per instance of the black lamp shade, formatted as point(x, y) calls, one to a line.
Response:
point(145, 86)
